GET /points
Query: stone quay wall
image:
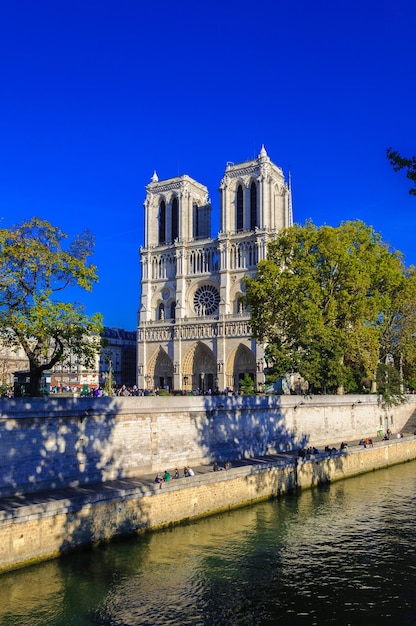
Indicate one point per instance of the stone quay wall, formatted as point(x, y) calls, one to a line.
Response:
point(48, 527)
point(52, 443)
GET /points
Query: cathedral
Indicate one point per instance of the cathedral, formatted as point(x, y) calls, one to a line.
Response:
point(193, 331)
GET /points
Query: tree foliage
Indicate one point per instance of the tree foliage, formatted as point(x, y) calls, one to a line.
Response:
point(409, 164)
point(331, 304)
point(34, 269)
point(247, 385)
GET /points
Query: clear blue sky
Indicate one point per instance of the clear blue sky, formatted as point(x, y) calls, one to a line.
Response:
point(96, 95)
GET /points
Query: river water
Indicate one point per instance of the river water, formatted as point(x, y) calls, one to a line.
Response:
point(343, 554)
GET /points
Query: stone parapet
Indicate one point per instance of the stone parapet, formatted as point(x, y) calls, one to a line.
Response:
point(46, 525)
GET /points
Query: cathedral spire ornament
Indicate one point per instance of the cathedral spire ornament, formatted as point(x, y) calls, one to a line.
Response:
point(263, 153)
point(155, 177)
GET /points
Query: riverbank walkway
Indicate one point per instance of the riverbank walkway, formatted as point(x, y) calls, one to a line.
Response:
point(18, 506)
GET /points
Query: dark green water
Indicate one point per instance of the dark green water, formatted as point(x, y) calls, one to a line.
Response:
point(344, 554)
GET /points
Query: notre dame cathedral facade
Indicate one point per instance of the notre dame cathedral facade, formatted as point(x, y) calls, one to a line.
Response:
point(193, 331)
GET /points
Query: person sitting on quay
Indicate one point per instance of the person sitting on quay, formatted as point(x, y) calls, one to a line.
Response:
point(176, 474)
point(330, 450)
point(227, 465)
point(188, 471)
point(159, 479)
point(166, 476)
point(344, 445)
point(302, 453)
point(216, 467)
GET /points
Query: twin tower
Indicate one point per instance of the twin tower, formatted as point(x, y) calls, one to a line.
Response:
point(193, 332)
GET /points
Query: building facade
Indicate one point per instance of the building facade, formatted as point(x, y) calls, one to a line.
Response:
point(72, 375)
point(193, 331)
point(12, 359)
point(120, 351)
point(117, 350)
point(116, 346)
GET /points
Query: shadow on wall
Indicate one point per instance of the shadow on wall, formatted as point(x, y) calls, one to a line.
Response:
point(250, 428)
point(74, 441)
point(66, 442)
point(246, 427)
point(70, 442)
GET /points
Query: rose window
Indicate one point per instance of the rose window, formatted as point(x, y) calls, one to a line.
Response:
point(206, 300)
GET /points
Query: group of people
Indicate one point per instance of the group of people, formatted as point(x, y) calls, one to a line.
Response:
point(387, 436)
point(217, 467)
point(166, 477)
point(304, 452)
point(366, 442)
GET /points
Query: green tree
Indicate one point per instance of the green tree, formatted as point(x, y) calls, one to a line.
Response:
point(247, 385)
point(409, 164)
point(398, 344)
point(323, 301)
point(34, 268)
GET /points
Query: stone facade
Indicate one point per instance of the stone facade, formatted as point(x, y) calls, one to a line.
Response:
point(193, 331)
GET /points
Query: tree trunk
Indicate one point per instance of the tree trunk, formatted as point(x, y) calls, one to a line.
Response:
point(35, 378)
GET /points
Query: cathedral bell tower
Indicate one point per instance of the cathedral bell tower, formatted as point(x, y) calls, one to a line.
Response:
point(194, 334)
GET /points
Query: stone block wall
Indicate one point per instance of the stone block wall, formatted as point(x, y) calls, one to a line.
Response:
point(52, 443)
point(46, 529)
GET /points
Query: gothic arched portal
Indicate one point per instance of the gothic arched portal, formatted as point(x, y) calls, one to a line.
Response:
point(240, 362)
point(200, 369)
point(160, 369)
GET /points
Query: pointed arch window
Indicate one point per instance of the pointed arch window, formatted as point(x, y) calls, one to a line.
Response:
point(240, 208)
point(253, 206)
point(196, 221)
point(173, 310)
point(175, 219)
point(162, 222)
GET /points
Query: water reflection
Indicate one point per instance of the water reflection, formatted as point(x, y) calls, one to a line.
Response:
point(342, 554)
